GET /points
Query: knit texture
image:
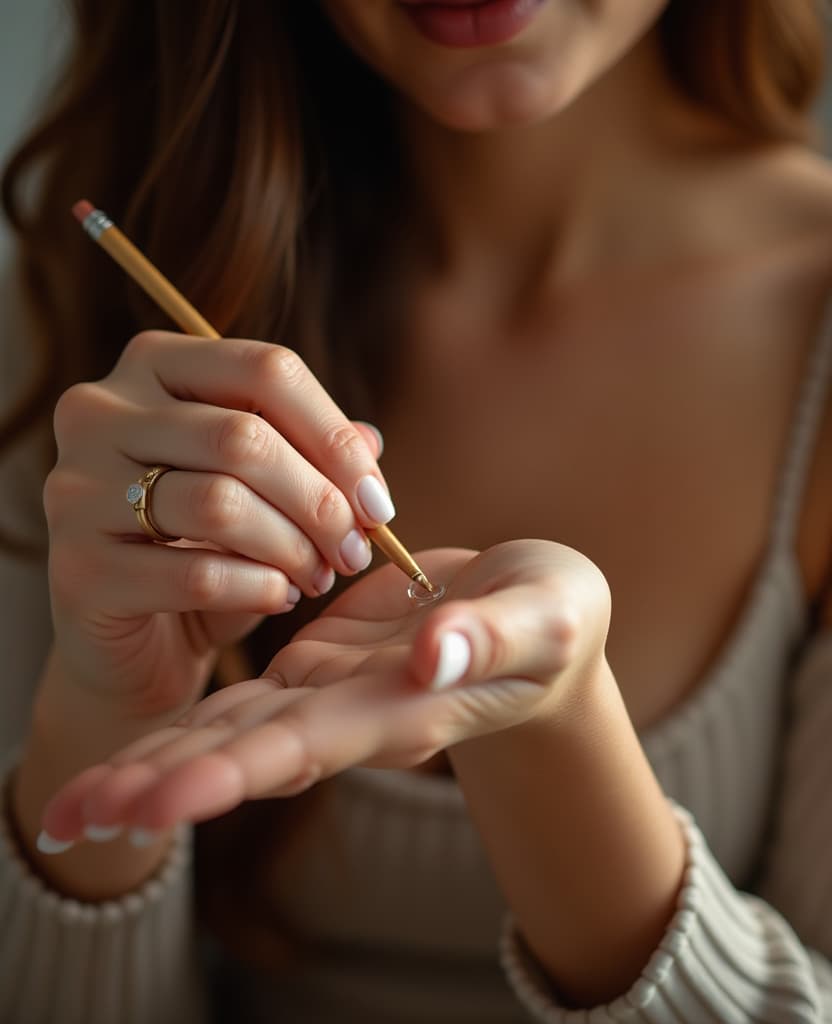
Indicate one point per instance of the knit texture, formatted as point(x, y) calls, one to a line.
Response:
point(390, 881)
point(129, 961)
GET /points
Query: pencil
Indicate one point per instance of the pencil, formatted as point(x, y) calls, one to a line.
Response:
point(102, 230)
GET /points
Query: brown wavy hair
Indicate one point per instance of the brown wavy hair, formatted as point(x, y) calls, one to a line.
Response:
point(206, 129)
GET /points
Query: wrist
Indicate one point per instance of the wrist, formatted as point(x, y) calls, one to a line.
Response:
point(569, 703)
point(88, 871)
point(551, 798)
point(71, 731)
point(69, 718)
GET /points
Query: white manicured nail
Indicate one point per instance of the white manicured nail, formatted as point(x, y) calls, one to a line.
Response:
point(293, 594)
point(142, 837)
point(355, 550)
point(379, 436)
point(454, 659)
point(49, 844)
point(375, 500)
point(324, 579)
point(102, 833)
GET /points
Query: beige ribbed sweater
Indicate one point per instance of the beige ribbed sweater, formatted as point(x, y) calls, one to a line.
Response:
point(390, 879)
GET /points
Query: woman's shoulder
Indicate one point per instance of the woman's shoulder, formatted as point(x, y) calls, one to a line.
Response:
point(789, 190)
point(801, 184)
point(760, 218)
point(783, 201)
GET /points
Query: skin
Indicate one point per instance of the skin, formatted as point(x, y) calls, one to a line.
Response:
point(609, 269)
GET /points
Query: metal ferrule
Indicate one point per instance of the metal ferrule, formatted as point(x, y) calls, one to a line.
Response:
point(96, 223)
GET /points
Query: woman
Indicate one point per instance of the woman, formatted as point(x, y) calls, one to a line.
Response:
point(573, 260)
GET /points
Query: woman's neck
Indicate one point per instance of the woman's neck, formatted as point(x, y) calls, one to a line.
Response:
point(554, 200)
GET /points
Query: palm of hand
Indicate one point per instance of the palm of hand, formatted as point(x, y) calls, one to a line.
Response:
point(353, 687)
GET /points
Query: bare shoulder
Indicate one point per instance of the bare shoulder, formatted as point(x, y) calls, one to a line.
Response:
point(764, 210)
point(789, 188)
point(773, 208)
point(792, 190)
point(762, 217)
point(806, 194)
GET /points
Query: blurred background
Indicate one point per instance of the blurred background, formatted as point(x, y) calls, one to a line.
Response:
point(31, 32)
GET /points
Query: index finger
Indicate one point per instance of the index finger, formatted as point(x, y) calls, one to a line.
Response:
point(274, 381)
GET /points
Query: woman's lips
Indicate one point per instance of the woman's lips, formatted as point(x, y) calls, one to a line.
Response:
point(443, 3)
point(462, 23)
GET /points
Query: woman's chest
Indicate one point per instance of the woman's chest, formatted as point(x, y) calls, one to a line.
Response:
point(658, 453)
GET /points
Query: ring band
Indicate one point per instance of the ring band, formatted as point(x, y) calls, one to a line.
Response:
point(138, 496)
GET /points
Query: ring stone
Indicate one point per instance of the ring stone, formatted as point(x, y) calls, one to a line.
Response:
point(134, 492)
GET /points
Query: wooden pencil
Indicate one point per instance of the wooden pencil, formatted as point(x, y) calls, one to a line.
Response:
point(100, 228)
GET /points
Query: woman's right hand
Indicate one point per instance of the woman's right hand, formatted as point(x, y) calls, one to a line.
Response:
point(271, 488)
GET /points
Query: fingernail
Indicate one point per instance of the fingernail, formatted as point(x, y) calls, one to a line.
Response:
point(142, 837)
point(102, 833)
point(454, 659)
point(324, 579)
point(379, 436)
point(375, 500)
point(293, 594)
point(355, 550)
point(49, 844)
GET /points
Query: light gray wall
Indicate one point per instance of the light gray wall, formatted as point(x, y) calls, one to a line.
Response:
point(31, 33)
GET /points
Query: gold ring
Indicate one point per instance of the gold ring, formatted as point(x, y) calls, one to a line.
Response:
point(138, 496)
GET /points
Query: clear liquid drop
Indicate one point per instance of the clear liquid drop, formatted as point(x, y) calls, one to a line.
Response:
point(421, 596)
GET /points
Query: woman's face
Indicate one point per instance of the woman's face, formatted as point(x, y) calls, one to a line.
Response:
point(478, 66)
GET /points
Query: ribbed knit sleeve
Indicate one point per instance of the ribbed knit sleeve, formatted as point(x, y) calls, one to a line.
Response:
point(730, 956)
point(797, 875)
point(126, 961)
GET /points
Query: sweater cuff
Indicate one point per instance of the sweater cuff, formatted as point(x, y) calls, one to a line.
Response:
point(132, 958)
point(725, 956)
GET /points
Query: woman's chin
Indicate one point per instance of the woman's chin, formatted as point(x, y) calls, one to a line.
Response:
point(518, 100)
point(482, 122)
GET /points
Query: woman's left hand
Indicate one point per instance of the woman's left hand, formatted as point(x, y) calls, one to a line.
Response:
point(374, 681)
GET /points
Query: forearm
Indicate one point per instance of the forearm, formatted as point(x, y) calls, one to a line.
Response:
point(583, 844)
point(65, 738)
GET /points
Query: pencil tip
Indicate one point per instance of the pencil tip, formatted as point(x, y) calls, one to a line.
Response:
point(82, 209)
point(424, 582)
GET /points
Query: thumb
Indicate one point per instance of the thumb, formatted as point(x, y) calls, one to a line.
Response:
point(522, 632)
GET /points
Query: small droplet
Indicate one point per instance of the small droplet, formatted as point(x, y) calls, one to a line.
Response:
point(421, 596)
